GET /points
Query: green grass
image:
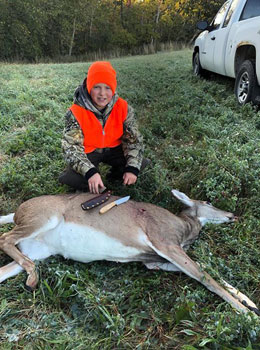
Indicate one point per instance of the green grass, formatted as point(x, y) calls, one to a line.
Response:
point(200, 142)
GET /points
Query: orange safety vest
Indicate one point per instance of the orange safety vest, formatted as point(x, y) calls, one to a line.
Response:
point(95, 136)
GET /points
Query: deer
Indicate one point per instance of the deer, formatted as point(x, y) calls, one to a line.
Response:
point(134, 231)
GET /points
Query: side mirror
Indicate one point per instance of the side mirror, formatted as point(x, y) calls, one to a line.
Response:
point(202, 25)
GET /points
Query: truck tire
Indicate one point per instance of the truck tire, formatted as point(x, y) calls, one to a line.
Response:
point(196, 66)
point(246, 82)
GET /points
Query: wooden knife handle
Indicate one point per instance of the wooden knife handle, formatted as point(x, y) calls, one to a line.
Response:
point(107, 207)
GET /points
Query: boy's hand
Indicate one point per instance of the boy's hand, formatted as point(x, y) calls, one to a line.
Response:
point(94, 183)
point(129, 178)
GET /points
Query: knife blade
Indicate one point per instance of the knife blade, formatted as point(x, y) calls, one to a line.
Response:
point(113, 204)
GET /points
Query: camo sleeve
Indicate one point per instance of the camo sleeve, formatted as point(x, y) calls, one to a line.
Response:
point(72, 146)
point(132, 141)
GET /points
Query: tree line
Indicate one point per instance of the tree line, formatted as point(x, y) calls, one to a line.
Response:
point(34, 29)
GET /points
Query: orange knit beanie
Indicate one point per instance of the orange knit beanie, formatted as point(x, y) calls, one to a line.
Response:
point(101, 72)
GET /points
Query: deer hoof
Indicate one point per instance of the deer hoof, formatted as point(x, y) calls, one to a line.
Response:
point(28, 288)
point(31, 282)
point(255, 310)
point(251, 308)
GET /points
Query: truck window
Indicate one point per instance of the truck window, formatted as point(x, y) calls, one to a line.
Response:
point(230, 12)
point(219, 16)
point(251, 9)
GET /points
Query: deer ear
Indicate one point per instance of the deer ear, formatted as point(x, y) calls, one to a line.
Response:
point(183, 198)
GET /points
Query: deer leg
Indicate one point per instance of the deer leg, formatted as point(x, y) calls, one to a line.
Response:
point(236, 293)
point(26, 263)
point(30, 248)
point(166, 266)
point(241, 297)
point(9, 270)
point(178, 257)
point(7, 244)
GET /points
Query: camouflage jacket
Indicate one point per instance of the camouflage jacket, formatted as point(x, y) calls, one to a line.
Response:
point(72, 141)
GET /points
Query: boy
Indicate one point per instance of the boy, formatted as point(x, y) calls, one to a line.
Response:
point(100, 127)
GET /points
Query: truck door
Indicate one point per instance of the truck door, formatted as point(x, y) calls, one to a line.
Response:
point(212, 57)
point(221, 41)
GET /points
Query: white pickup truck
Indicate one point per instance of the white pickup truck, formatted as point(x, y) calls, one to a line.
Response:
point(230, 46)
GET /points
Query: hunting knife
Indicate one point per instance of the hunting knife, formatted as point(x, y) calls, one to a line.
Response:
point(112, 204)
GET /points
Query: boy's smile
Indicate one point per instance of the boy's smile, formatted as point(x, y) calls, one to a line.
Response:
point(101, 95)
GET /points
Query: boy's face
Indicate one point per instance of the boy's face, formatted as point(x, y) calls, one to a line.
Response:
point(101, 95)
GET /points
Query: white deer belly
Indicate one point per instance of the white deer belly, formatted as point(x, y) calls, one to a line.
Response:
point(87, 244)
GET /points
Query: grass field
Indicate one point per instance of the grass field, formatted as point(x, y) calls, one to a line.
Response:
point(201, 143)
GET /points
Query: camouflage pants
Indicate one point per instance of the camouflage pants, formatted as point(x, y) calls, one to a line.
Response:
point(111, 156)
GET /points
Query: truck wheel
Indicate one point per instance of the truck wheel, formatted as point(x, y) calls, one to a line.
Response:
point(245, 82)
point(197, 69)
